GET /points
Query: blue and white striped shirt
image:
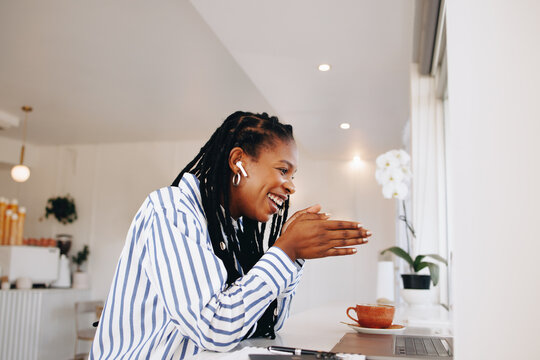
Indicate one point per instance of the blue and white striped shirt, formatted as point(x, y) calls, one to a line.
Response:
point(169, 298)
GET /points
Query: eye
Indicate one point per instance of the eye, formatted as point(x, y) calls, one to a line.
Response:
point(283, 171)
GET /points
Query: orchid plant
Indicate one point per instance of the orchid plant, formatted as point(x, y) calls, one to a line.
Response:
point(394, 174)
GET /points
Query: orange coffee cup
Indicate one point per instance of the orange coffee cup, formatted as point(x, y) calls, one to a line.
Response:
point(373, 316)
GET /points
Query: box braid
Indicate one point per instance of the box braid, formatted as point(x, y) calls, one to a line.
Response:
point(251, 132)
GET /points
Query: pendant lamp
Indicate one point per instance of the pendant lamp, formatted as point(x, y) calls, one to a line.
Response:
point(21, 172)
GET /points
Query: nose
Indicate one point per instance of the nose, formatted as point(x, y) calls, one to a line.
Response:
point(289, 187)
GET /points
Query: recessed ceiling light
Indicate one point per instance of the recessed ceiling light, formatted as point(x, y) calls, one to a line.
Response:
point(324, 67)
point(345, 126)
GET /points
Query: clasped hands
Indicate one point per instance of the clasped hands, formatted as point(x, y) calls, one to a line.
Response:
point(309, 234)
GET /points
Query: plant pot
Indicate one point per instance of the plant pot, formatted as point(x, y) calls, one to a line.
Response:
point(419, 297)
point(80, 280)
point(416, 281)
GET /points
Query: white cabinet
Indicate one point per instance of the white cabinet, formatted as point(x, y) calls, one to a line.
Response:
point(39, 323)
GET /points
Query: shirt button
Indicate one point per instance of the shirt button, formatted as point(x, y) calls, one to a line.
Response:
point(222, 245)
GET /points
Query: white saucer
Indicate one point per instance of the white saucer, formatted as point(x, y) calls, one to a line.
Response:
point(394, 329)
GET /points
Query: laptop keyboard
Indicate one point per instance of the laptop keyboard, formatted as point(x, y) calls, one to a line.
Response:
point(422, 346)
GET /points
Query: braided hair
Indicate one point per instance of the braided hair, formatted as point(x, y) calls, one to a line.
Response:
point(251, 132)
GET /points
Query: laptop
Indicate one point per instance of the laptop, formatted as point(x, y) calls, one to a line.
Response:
point(407, 347)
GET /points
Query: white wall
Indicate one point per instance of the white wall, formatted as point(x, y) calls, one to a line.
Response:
point(32, 194)
point(494, 176)
point(350, 194)
point(10, 152)
point(109, 182)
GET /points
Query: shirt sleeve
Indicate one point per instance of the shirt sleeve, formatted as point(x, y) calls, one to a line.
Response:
point(284, 299)
point(190, 281)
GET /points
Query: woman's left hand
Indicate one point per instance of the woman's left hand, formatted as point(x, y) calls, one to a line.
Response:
point(313, 209)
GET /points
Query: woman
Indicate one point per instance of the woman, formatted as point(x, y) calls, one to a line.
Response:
point(194, 273)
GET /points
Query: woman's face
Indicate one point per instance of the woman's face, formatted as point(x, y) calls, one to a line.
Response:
point(269, 181)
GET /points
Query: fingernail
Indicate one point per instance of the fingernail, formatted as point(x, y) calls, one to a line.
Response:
point(328, 214)
point(354, 251)
point(359, 225)
point(368, 233)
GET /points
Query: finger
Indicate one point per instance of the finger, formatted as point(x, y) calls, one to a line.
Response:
point(312, 209)
point(345, 234)
point(311, 216)
point(367, 233)
point(341, 224)
point(341, 243)
point(303, 217)
point(340, 251)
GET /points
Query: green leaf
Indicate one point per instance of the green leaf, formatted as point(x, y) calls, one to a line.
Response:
point(417, 263)
point(82, 256)
point(396, 250)
point(438, 258)
point(421, 266)
point(434, 271)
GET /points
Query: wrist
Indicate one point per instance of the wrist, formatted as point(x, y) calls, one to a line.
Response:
point(286, 249)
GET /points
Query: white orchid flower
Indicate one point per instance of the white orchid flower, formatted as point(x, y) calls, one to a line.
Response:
point(406, 172)
point(391, 175)
point(394, 173)
point(403, 157)
point(397, 190)
point(401, 191)
point(394, 153)
point(388, 190)
point(379, 176)
point(387, 160)
point(380, 161)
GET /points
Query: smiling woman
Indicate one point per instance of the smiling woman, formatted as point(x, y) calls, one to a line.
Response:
point(195, 273)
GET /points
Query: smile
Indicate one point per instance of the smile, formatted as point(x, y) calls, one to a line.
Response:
point(278, 200)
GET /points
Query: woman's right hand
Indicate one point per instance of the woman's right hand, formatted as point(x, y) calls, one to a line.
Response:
point(309, 234)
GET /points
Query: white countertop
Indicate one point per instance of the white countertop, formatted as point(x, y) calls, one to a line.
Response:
point(321, 328)
point(47, 290)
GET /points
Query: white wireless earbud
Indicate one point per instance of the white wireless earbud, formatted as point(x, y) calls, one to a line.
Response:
point(239, 164)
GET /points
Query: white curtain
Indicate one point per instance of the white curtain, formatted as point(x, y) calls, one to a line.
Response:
point(428, 196)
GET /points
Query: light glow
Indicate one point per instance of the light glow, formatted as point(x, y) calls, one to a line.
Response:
point(20, 173)
point(345, 126)
point(357, 162)
point(324, 67)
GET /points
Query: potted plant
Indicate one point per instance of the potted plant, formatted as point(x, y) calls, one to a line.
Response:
point(415, 280)
point(80, 278)
point(393, 173)
point(62, 208)
point(81, 257)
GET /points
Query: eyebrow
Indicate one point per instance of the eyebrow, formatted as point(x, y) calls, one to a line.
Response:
point(289, 164)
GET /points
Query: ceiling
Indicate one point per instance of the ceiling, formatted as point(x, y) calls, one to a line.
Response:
point(123, 71)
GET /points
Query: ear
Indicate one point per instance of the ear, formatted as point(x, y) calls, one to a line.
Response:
point(236, 154)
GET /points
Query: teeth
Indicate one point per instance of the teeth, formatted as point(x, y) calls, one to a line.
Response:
point(276, 199)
